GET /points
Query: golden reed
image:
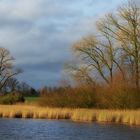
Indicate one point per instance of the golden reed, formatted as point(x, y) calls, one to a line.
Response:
point(131, 117)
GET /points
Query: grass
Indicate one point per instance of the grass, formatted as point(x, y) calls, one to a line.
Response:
point(31, 99)
point(131, 117)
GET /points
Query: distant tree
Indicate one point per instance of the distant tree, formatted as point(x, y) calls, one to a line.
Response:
point(44, 91)
point(12, 84)
point(7, 70)
point(33, 92)
point(24, 88)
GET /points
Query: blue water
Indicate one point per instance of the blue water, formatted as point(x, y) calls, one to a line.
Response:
point(22, 129)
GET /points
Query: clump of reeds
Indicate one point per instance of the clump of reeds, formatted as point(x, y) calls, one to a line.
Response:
point(131, 117)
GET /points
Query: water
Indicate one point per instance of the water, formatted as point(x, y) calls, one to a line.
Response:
point(21, 129)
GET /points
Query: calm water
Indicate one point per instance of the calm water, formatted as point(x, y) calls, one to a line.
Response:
point(20, 129)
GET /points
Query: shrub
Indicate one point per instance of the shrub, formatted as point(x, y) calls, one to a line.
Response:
point(105, 97)
point(11, 98)
point(118, 98)
point(80, 97)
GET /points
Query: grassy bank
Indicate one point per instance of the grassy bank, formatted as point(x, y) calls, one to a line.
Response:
point(131, 117)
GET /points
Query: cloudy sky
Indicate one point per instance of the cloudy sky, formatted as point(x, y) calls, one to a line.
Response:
point(39, 33)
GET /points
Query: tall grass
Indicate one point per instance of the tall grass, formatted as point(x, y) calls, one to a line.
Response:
point(131, 117)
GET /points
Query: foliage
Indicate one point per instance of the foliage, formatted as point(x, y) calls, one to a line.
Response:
point(11, 98)
point(72, 97)
point(118, 96)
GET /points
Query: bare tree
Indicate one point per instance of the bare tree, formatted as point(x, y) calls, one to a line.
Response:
point(100, 54)
point(24, 88)
point(116, 45)
point(80, 73)
point(124, 27)
point(12, 84)
point(6, 67)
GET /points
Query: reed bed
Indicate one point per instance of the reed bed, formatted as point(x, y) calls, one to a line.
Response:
point(131, 117)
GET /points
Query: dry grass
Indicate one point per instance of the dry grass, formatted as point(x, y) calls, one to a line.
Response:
point(131, 117)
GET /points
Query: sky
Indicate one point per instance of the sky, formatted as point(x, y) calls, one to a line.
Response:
point(40, 33)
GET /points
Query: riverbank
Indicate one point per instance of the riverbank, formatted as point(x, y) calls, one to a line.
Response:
point(131, 117)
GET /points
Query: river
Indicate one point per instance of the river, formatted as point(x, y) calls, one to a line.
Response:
point(30, 129)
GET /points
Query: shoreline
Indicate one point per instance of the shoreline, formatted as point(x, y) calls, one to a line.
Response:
point(129, 117)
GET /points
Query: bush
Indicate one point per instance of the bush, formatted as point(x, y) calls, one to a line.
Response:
point(11, 98)
point(118, 98)
point(115, 97)
point(81, 97)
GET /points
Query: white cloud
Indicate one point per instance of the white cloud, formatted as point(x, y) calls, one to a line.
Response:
point(20, 9)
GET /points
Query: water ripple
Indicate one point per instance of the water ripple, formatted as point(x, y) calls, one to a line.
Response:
point(22, 129)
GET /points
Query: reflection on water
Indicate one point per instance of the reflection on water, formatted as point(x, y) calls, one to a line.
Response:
point(21, 129)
